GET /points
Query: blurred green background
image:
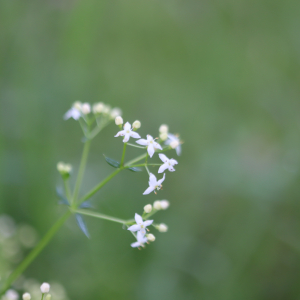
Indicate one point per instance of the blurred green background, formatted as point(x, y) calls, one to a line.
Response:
point(225, 75)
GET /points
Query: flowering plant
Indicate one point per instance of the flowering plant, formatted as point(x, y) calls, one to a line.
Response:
point(93, 119)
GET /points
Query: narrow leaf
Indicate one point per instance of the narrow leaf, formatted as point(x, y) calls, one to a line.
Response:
point(86, 204)
point(63, 199)
point(82, 225)
point(112, 162)
point(135, 169)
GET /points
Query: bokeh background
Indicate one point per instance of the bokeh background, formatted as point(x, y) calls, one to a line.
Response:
point(225, 75)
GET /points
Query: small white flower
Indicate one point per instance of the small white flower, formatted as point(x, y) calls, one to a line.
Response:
point(136, 124)
point(140, 224)
point(115, 112)
point(168, 163)
point(164, 204)
point(174, 142)
point(163, 136)
point(98, 108)
point(118, 120)
point(127, 133)
point(106, 109)
point(64, 168)
point(74, 112)
point(26, 296)
point(150, 143)
point(157, 205)
point(141, 240)
point(162, 227)
point(163, 128)
point(45, 288)
point(86, 108)
point(11, 295)
point(150, 237)
point(148, 208)
point(154, 184)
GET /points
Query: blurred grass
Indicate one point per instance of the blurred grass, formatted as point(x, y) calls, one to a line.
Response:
point(225, 75)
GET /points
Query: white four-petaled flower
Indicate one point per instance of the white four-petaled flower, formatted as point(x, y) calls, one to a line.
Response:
point(141, 240)
point(154, 184)
point(72, 113)
point(127, 133)
point(174, 142)
point(150, 143)
point(168, 163)
point(140, 225)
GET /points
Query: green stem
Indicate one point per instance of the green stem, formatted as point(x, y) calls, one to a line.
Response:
point(147, 169)
point(154, 211)
point(141, 165)
point(42, 296)
point(135, 160)
point(99, 186)
point(97, 129)
point(123, 155)
point(34, 253)
point(81, 169)
point(67, 189)
point(136, 146)
point(100, 216)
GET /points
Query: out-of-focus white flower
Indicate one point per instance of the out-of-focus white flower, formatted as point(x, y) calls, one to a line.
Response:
point(45, 288)
point(106, 109)
point(118, 120)
point(150, 237)
point(115, 112)
point(157, 205)
point(140, 224)
point(174, 142)
point(148, 208)
point(74, 112)
point(162, 227)
point(154, 184)
point(136, 124)
point(164, 204)
point(150, 143)
point(141, 240)
point(163, 136)
point(98, 108)
point(64, 168)
point(168, 163)
point(127, 133)
point(48, 297)
point(26, 296)
point(163, 128)
point(11, 295)
point(85, 108)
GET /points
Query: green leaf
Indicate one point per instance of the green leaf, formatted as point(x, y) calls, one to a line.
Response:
point(112, 162)
point(82, 225)
point(135, 169)
point(61, 196)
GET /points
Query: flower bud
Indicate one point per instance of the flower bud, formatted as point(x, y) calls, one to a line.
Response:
point(48, 297)
point(64, 169)
point(77, 105)
point(11, 295)
point(85, 108)
point(119, 120)
point(150, 237)
point(45, 288)
point(164, 204)
point(174, 144)
point(26, 296)
point(148, 208)
point(162, 227)
point(106, 109)
point(115, 112)
point(157, 205)
point(136, 124)
point(163, 136)
point(98, 108)
point(164, 128)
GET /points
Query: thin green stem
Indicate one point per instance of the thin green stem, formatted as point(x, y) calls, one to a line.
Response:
point(42, 296)
point(34, 253)
point(100, 216)
point(147, 169)
point(81, 169)
point(136, 146)
point(154, 211)
point(67, 189)
point(98, 186)
point(123, 155)
point(103, 123)
point(135, 160)
point(141, 165)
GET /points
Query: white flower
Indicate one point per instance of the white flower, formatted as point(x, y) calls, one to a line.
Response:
point(64, 168)
point(163, 136)
point(164, 204)
point(11, 295)
point(174, 142)
point(115, 112)
point(154, 184)
point(150, 237)
point(127, 133)
point(73, 112)
point(168, 163)
point(157, 205)
point(140, 224)
point(162, 227)
point(26, 296)
point(148, 208)
point(163, 128)
point(136, 124)
point(150, 143)
point(86, 108)
point(118, 120)
point(141, 240)
point(45, 288)
point(98, 108)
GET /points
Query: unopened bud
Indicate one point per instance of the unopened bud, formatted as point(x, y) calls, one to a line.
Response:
point(150, 237)
point(48, 297)
point(45, 288)
point(77, 105)
point(157, 205)
point(164, 204)
point(118, 120)
point(98, 108)
point(85, 108)
point(26, 296)
point(163, 136)
point(163, 128)
point(64, 169)
point(162, 227)
point(174, 144)
point(148, 208)
point(115, 112)
point(136, 124)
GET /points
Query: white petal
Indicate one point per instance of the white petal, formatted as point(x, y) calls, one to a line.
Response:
point(172, 137)
point(152, 180)
point(135, 228)
point(173, 161)
point(157, 146)
point(163, 168)
point(140, 237)
point(161, 180)
point(143, 231)
point(150, 150)
point(178, 149)
point(163, 157)
point(120, 133)
point(72, 113)
point(148, 223)
point(135, 245)
point(127, 126)
point(126, 138)
point(135, 135)
point(149, 138)
point(171, 169)
point(138, 219)
point(149, 190)
point(142, 142)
